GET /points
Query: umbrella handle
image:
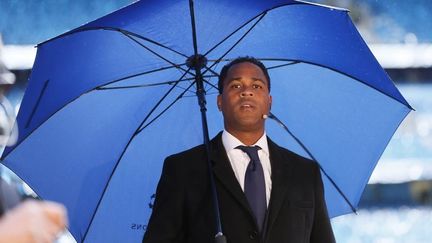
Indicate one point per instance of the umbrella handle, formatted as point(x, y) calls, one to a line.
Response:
point(220, 238)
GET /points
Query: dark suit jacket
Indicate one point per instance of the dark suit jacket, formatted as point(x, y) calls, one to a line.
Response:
point(183, 209)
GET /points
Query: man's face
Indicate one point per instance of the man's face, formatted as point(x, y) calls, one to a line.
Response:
point(245, 98)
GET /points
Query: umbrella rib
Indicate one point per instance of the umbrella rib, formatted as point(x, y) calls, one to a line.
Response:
point(272, 116)
point(166, 109)
point(148, 85)
point(140, 86)
point(337, 71)
point(142, 73)
point(37, 104)
point(143, 85)
point(283, 65)
point(187, 89)
point(246, 23)
point(116, 30)
point(127, 145)
point(152, 41)
point(188, 96)
point(237, 42)
point(205, 81)
point(155, 53)
point(211, 70)
point(232, 33)
point(370, 86)
point(212, 85)
point(158, 84)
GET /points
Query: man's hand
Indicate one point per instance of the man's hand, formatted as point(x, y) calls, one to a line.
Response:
point(33, 221)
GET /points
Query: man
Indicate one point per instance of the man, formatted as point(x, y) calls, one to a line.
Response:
point(289, 186)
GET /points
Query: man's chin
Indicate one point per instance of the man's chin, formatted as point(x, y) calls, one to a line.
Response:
point(251, 124)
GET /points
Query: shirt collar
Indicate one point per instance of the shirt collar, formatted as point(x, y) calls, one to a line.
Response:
point(230, 142)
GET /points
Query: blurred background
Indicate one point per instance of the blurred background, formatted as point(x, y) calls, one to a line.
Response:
point(397, 203)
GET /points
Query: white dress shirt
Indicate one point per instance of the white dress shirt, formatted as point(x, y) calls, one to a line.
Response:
point(239, 160)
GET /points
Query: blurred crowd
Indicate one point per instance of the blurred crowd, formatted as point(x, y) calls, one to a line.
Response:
point(21, 220)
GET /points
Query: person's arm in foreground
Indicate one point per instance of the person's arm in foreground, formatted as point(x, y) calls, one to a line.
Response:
point(33, 221)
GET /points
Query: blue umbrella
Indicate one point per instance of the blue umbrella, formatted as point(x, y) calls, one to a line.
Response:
point(108, 101)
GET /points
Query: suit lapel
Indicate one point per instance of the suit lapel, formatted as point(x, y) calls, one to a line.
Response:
point(225, 174)
point(281, 174)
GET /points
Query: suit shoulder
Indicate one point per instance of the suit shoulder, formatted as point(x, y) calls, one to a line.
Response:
point(186, 163)
point(192, 157)
point(295, 158)
point(192, 152)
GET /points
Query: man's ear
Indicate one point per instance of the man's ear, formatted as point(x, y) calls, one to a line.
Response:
point(270, 102)
point(219, 102)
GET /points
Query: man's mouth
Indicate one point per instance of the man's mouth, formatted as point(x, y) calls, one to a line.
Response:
point(246, 106)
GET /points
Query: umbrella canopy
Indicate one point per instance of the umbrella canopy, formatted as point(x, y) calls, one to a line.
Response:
point(108, 101)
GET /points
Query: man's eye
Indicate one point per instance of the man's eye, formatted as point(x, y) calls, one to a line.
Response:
point(235, 86)
point(257, 86)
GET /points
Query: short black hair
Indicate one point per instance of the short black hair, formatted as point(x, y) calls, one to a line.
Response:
point(252, 60)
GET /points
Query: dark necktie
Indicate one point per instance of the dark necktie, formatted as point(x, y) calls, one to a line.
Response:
point(254, 185)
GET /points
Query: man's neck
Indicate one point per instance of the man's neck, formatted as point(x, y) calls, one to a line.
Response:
point(247, 138)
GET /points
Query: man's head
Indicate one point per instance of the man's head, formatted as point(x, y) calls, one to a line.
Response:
point(244, 96)
point(253, 60)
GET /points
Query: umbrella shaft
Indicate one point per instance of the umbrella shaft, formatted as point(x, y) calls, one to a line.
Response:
point(219, 238)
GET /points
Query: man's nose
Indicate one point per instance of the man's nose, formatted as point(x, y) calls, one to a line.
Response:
point(247, 91)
